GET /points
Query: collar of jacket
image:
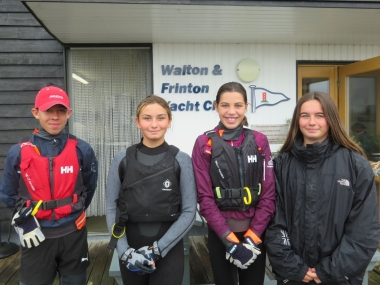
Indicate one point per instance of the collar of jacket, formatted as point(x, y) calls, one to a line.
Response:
point(313, 153)
point(45, 135)
point(230, 135)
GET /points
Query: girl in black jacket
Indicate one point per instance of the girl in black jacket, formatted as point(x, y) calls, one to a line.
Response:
point(326, 226)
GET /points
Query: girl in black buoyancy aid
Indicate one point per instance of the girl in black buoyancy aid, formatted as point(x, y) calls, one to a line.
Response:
point(326, 226)
point(236, 195)
point(151, 201)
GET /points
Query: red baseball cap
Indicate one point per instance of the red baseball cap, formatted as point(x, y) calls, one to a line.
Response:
point(50, 96)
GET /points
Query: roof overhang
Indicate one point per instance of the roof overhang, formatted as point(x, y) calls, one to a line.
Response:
point(122, 22)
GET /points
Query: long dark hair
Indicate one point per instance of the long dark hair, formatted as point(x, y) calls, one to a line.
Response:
point(233, 87)
point(336, 128)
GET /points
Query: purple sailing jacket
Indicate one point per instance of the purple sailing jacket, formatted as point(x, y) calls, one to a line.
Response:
point(216, 219)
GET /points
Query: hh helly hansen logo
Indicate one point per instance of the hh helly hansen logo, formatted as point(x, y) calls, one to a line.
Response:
point(252, 158)
point(285, 238)
point(344, 182)
point(67, 169)
point(167, 184)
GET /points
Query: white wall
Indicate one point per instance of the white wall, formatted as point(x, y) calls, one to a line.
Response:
point(278, 74)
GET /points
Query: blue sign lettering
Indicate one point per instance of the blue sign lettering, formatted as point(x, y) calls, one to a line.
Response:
point(208, 105)
point(185, 70)
point(188, 106)
point(184, 88)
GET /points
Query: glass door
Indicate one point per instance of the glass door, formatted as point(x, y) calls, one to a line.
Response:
point(322, 78)
point(359, 100)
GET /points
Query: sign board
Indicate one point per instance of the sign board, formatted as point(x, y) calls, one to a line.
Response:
point(276, 134)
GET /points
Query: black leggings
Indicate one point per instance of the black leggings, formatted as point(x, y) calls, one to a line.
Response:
point(169, 269)
point(226, 273)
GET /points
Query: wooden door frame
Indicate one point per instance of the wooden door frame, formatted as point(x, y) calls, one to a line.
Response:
point(329, 71)
point(363, 66)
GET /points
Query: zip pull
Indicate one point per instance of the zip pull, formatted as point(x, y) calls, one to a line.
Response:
point(264, 165)
point(50, 163)
point(54, 142)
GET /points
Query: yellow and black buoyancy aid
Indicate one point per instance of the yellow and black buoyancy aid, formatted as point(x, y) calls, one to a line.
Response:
point(236, 172)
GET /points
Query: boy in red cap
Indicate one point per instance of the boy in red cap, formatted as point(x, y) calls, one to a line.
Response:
point(49, 180)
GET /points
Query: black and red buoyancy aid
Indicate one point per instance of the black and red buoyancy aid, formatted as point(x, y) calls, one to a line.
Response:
point(57, 181)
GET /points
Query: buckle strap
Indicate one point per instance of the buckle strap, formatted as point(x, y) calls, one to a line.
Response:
point(235, 193)
point(118, 230)
point(52, 204)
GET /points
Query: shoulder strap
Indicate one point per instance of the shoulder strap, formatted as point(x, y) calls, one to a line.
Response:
point(174, 151)
point(122, 168)
point(210, 133)
point(72, 137)
point(26, 139)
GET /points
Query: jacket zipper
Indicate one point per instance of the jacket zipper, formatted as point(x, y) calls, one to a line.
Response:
point(51, 183)
point(54, 141)
point(148, 177)
point(263, 156)
point(240, 163)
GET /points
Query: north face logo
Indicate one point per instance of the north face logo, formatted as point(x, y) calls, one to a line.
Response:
point(67, 169)
point(344, 182)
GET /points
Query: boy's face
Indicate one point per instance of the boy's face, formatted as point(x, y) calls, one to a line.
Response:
point(54, 119)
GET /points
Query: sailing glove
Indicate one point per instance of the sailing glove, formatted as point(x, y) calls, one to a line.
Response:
point(136, 262)
point(28, 228)
point(151, 252)
point(242, 254)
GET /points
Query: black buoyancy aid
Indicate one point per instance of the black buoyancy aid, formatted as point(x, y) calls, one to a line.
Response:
point(57, 181)
point(150, 193)
point(236, 172)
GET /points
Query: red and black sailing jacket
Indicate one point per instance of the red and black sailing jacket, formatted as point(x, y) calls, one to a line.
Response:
point(57, 181)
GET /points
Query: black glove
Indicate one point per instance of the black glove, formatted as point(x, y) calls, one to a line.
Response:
point(136, 262)
point(242, 254)
point(150, 252)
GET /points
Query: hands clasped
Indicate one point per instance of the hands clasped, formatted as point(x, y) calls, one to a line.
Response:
point(242, 254)
point(311, 275)
point(137, 262)
point(143, 260)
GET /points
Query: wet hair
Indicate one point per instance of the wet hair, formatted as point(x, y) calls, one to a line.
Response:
point(337, 131)
point(153, 99)
point(233, 87)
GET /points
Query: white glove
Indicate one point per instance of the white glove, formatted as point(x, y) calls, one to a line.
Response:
point(27, 228)
point(242, 254)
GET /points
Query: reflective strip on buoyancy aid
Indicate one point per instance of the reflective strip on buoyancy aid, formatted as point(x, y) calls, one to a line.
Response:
point(147, 193)
point(236, 172)
point(57, 181)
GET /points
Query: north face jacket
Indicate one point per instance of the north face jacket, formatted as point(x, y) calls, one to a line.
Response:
point(326, 214)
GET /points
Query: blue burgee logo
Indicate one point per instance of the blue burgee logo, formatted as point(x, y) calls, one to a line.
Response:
point(263, 97)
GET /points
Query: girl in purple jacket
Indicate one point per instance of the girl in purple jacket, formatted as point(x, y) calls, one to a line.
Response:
point(234, 176)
